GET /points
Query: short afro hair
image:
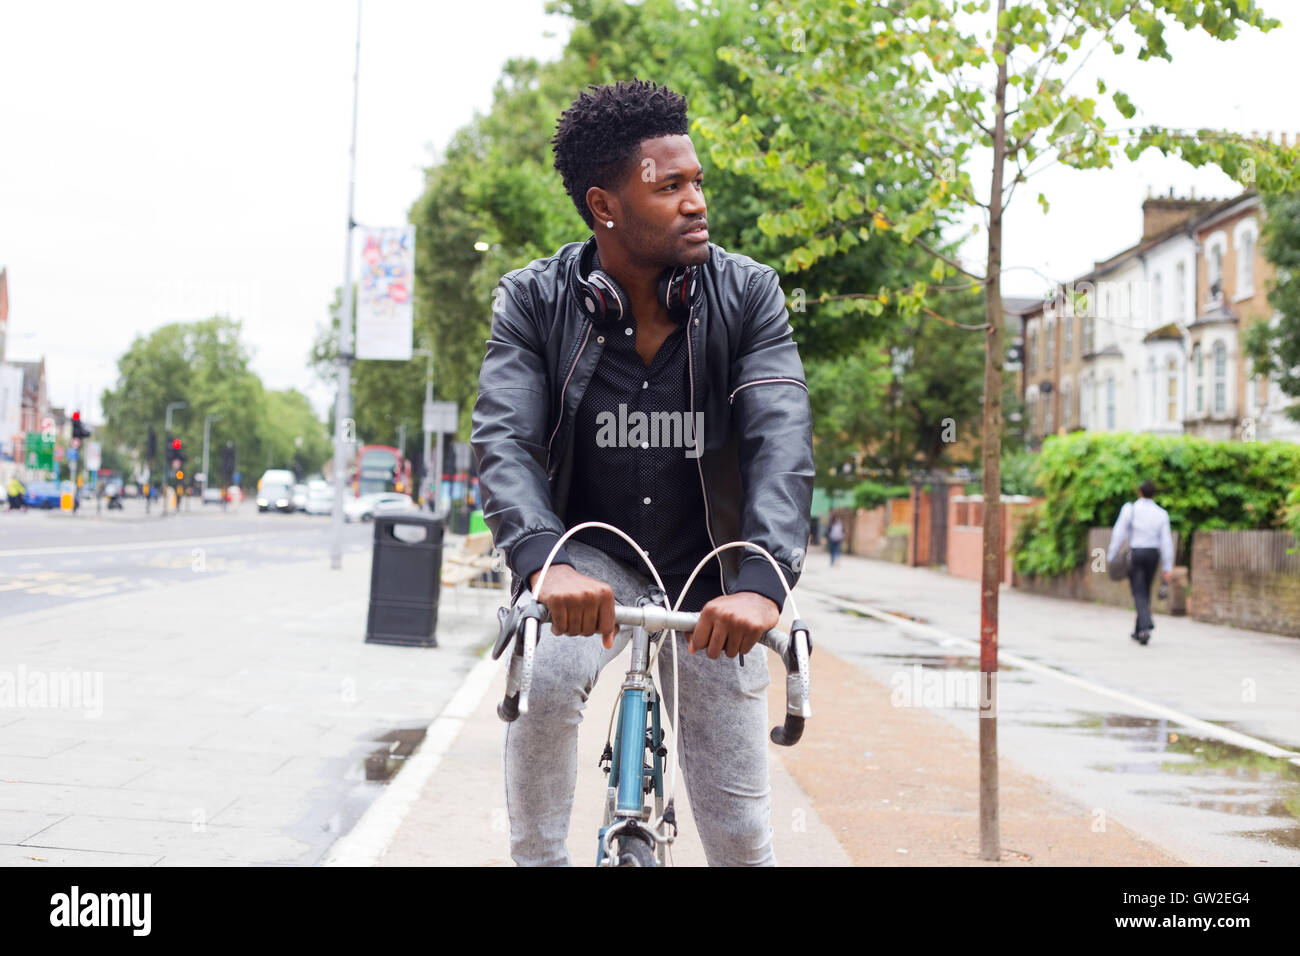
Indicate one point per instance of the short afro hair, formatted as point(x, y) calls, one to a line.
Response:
point(598, 137)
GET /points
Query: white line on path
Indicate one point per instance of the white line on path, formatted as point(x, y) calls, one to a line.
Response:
point(1160, 710)
point(368, 841)
point(139, 545)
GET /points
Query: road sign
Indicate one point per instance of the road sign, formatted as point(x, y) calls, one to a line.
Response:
point(440, 418)
point(72, 454)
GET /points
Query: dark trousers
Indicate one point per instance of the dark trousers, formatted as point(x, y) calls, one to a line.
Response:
point(1142, 571)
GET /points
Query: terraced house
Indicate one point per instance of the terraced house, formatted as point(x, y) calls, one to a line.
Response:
point(1150, 339)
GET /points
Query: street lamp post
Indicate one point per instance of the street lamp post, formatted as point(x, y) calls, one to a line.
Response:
point(206, 422)
point(343, 427)
point(430, 487)
point(168, 434)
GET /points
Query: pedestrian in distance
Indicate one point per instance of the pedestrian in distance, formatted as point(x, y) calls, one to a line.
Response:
point(835, 538)
point(16, 491)
point(1144, 525)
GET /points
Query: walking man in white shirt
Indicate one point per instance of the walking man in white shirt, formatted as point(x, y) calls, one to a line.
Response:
point(1145, 526)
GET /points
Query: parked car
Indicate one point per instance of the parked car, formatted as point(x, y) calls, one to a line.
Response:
point(299, 497)
point(212, 496)
point(272, 496)
point(320, 498)
point(381, 503)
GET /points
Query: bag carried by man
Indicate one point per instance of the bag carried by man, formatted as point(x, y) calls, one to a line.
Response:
point(1118, 569)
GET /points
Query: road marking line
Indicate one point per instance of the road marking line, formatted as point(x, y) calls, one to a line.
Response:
point(368, 841)
point(1160, 710)
point(139, 546)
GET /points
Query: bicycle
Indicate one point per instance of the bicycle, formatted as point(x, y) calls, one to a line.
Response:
point(633, 833)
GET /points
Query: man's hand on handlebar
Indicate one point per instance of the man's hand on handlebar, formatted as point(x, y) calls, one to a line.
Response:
point(579, 606)
point(734, 623)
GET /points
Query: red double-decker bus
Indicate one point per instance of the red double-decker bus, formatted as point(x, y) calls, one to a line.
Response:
point(380, 468)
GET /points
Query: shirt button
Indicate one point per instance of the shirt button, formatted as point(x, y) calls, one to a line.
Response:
point(645, 384)
point(645, 501)
point(628, 330)
point(600, 339)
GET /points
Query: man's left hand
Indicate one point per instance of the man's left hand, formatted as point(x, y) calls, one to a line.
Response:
point(733, 623)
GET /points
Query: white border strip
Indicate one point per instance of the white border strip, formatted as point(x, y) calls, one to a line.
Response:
point(140, 545)
point(368, 841)
point(1203, 727)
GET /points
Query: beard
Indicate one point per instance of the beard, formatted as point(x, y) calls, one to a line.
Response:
point(653, 245)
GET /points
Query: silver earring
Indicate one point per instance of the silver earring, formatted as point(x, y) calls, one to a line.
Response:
point(609, 223)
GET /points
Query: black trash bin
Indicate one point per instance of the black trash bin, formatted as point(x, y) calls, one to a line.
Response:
point(404, 580)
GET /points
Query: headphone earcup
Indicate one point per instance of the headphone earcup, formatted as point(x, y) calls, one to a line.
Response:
point(677, 290)
point(603, 299)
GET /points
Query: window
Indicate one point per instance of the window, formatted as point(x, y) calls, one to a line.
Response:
point(1180, 292)
point(1088, 347)
point(1220, 378)
point(1151, 374)
point(1246, 264)
point(1216, 270)
point(1067, 408)
point(1199, 366)
point(1110, 403)
point(1049, 344)
point(1031, 351)
point(1031, 404)
point(1171, 391)
point(1157, 302)
point(1049, 415)
point(1085, 402)
point(1067, 331)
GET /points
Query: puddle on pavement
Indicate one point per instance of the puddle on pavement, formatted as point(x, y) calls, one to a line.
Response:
point(907, 617)
point(1220, 777)
point(383, 762)
point(962, 662)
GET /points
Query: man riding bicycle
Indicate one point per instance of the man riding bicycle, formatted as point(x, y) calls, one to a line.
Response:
point(648, 379)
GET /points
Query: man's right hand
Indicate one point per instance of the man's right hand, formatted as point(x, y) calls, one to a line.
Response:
point(579, 606)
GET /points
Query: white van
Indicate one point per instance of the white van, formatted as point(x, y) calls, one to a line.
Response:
point(277, 476)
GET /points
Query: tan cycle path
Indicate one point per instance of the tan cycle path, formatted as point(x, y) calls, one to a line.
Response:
point(913, 801)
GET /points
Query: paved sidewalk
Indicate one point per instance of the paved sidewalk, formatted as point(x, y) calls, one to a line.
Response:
point(238, 718)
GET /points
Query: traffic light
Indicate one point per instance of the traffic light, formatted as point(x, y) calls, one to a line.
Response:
point(177, 453)
point(79, 430)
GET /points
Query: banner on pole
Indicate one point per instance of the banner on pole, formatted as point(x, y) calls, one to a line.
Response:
point(384, 318)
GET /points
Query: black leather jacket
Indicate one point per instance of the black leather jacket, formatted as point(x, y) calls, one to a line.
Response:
point(756, 467)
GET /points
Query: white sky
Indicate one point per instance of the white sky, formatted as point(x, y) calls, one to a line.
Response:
point(165, 161)
point(168, 160)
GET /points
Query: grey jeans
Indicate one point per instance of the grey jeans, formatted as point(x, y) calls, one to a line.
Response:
point(721, 744)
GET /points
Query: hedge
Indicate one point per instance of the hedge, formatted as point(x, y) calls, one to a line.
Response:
point(1088, 476)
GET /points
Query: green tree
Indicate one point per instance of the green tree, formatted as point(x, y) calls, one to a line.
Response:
point(203, 364)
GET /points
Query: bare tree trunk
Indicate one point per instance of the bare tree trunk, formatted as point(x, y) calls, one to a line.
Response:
point(990, 848)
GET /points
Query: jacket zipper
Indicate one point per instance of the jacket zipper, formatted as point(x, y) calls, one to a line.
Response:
point(765, 381)
point(564, 388)
point(708, 524)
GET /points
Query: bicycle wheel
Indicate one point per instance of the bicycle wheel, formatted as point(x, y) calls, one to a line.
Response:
point(632, 849)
